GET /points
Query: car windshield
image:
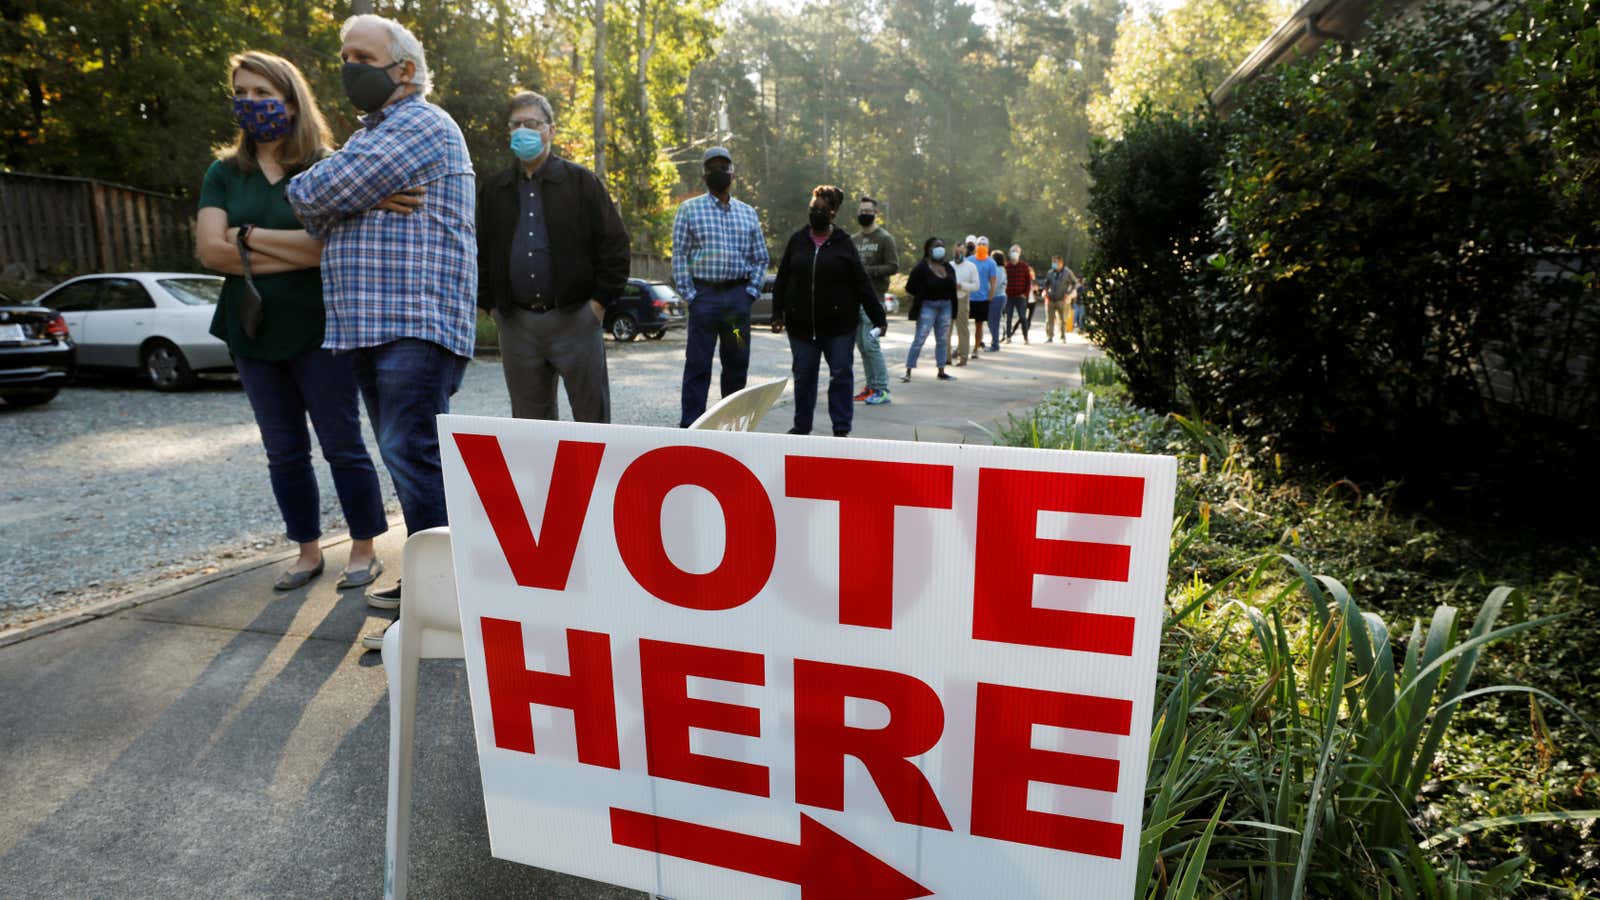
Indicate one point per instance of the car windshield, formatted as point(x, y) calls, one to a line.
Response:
point(194, 291)
point(664, 292)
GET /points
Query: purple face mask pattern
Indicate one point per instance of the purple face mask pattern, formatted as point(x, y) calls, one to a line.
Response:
point(264, 120)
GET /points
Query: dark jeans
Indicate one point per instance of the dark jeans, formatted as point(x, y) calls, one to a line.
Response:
point(1024, 314)
point(405, 383)
point(996, 307)
point(720, 315)
point(320, 385)
point(808, 354)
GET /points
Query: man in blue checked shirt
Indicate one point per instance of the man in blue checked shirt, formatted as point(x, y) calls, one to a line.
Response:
point(400, 263)
point(719, 257)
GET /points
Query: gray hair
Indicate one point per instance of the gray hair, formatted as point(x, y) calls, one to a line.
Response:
point(528, 98)
point(403, 45)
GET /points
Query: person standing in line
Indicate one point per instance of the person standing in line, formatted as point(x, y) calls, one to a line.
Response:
point(276, 341)
point(1080, 310)
point(822, 290)
point(1019, 287)
point(997, 291)
point(966, 283)
point(983, 298)
point(719, 257)
point(880, 255)
point(1060, 288)
point(400, 290)
point(932, 286)
point(548, 287)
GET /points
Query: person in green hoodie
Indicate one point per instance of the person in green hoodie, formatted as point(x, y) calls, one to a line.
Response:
point(881, 257)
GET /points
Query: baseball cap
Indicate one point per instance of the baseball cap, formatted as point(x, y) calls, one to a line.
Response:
point(984, 240)
point(716, 153)
point(971, 239)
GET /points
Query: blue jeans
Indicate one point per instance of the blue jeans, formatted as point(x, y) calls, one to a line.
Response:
point(1079, 316)
point(871, 356)
point(934, 316)
point(323, 386)
point(996, 307)
point(808, 354)
point(405, 383)
point(715, 315)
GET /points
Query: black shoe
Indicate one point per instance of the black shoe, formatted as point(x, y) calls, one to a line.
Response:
point(841, 434)
point(798, 431)
point(946, 376)
point(386, 599)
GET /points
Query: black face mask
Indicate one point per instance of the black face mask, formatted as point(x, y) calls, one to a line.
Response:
point(368, 87)
point(820, 219)
point(866, 219)
point(719, 182)
point(972, 248)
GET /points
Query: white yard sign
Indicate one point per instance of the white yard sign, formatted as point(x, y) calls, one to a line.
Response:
point(731, 665)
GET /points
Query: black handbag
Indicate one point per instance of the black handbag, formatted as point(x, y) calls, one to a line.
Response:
point(251, 308)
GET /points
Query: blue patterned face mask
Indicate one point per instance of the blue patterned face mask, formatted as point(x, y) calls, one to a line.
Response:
point(264, 120)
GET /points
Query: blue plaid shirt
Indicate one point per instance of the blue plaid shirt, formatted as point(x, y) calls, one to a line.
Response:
point(716, 241)
point(387, 276)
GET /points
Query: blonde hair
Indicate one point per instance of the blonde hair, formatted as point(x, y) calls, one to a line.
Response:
point(307, 141)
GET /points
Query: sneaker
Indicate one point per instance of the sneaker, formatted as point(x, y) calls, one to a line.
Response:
point(374, 640)
point(1025, 340)
point(386, 599)
point(946, 376)
point(841, 434)
point(865, 393)
point(798, 431)
point(878, 398)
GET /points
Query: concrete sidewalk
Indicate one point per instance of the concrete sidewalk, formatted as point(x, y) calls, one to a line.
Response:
point(225, 740)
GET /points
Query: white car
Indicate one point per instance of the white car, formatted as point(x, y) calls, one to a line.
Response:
point(157, 323)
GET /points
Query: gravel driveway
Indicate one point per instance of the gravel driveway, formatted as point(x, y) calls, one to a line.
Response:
point(112, 486)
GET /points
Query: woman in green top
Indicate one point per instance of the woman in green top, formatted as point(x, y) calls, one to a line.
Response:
point(286, 373)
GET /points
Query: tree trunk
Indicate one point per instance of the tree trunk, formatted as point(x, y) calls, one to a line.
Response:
point(600, 88)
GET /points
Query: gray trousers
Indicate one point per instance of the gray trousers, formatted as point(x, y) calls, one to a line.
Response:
point(537, 348)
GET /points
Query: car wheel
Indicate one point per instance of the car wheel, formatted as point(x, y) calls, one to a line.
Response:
point(166, 368)
point(624, 328)
point(657, 335)
point(29, 398)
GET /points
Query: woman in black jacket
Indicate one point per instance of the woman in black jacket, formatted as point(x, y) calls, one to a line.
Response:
point(820, 291)
point(932, 286)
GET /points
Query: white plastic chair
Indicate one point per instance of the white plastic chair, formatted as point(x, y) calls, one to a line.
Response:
point(743, 409)
point(429, 628)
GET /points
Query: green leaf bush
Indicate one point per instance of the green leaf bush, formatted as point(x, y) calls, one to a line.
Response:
point(1373, 260)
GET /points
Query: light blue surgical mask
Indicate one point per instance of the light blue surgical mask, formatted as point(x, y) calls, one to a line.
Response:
point(527, 144)
point(937, 253)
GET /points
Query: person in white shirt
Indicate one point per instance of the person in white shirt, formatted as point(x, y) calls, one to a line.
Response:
point(966, 283)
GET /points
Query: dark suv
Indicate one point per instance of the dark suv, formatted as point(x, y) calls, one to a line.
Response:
point(648, 308)
point(36, 353)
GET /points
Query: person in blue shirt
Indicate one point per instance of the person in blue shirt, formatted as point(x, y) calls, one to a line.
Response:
point(719, 257)
point(985, 296)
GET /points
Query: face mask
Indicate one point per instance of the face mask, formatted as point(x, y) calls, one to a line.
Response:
point(368, 87)
point(866, 219)
point(983, 252)
point(527, 144)
point(819, 219)
point(1055, 267)
point(1015, 256)
point(971, 247)
point(719, 182)
point(937, 253)
point(263, 120)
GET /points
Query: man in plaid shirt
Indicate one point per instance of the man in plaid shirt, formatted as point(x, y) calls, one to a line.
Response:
point(399, 267)
point(719, 257)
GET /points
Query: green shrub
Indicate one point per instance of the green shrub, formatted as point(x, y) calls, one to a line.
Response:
point(1151, 235)
point(488, 332)
point(1383, 212)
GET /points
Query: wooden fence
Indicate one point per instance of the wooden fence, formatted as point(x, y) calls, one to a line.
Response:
point(68, 226)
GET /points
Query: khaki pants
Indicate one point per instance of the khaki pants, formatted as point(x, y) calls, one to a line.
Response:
point(962, 328)
point(1057, 312)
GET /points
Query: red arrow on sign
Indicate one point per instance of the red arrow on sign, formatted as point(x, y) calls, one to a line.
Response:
point(824, 864)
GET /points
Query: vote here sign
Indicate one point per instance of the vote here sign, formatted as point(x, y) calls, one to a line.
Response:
point(730, 665)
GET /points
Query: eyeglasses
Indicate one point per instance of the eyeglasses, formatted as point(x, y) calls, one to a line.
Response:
point(514, 124)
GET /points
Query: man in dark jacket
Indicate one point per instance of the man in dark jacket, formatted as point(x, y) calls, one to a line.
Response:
point(552, 257)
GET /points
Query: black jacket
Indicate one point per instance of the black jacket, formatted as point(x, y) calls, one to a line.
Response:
point(820, 291)
point(589, 248)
